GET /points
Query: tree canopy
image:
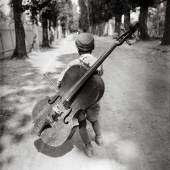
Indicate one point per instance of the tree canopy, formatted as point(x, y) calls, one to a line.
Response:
point(48, 12)
point(102, 10)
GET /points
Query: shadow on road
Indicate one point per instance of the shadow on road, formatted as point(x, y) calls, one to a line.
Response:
point(53, 151)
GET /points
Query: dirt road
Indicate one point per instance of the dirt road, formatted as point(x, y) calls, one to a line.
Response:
point(134, 111)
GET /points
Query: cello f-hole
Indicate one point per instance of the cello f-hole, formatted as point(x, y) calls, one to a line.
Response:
point(65, 121)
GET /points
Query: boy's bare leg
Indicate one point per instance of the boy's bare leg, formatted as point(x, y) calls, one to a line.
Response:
point(97, 131)
point(85, 138)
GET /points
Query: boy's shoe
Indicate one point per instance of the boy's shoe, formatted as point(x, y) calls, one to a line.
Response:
point(99, 140)
point(89, 150)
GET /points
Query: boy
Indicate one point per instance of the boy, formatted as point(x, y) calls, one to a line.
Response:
point(85, 46)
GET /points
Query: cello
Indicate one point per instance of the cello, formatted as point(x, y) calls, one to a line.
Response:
point(80, 89)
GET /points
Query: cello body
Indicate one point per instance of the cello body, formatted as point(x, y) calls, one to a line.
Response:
point(52, 128)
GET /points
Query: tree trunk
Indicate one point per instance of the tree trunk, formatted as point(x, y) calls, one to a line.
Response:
point(127, 20)
point(93, 29)
point(20, 49)
point(117, 23)
point(45, 41)
point(106, 28)
point(35, 44)
point(166, 35)
point(143, 23)
point(88, 14)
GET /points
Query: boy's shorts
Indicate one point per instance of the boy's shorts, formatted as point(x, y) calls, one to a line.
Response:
point(91, 114)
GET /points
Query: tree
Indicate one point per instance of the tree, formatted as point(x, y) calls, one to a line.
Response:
point(144, 5)
point(94, 13)
point(75, 25)
point(143, 20)
point(83, 20)
point(102, 10)
point(20, 49)
point(118, 12)
point(49, 12)
point(45, 12)
point(66, 16)
point(166, 35)
point(127, 7)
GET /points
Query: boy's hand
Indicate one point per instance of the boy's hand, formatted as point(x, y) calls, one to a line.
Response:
point(100, 72)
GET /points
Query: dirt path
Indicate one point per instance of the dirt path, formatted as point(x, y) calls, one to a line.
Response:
point(134, 111)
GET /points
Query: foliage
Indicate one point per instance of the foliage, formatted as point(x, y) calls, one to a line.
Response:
point(48, 12)
point(83, 19)
point(75, 24)
point(41, 8)
point(102, 10)
point(155, 22)
point(66, 14)
point(52, 10)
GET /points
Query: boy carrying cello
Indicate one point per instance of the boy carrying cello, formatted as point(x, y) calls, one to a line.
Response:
point(85, 46)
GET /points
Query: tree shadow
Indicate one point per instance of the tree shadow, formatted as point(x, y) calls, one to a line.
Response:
point(6, 130)
point(8, 160)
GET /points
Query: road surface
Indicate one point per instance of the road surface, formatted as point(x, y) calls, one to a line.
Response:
point(134, 112)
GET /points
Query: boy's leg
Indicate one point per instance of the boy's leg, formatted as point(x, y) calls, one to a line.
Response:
point(97, 131)
point(83, 132)
point(80, 115)
point(85, 138)
point(92, 116)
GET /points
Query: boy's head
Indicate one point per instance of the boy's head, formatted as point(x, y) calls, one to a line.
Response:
point(85, 43)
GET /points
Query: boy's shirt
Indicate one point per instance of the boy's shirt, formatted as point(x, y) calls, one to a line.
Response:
point(86, 60)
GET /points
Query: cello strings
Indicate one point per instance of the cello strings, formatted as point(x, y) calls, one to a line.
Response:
point(51, 83)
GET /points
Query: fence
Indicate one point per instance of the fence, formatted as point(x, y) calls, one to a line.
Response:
point(7, 37)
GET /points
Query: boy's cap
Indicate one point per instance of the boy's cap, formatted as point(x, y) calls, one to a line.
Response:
point(85, 42)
